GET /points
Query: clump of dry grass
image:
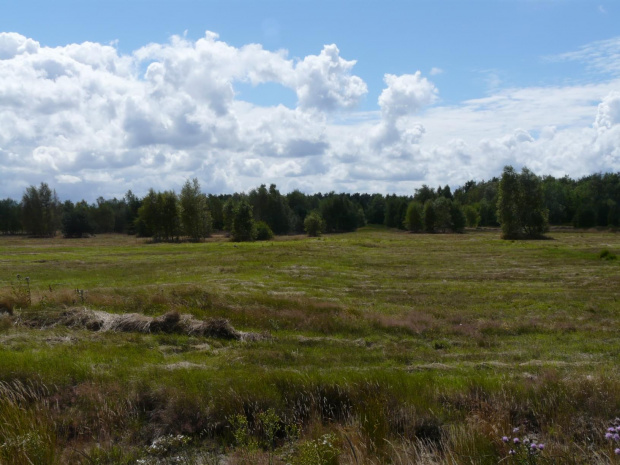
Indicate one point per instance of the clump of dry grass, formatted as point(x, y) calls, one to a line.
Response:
point(7, 305)
point(171, 322)
point(6, 322)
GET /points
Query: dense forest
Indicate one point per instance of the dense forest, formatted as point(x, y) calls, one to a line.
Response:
point(523, 204)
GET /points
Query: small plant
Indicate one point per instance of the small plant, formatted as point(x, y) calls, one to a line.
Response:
point(80, 294)
point(165, 445)
point(523, 449)
point(322, 451)
point(613, 435)
point(270, 425)
point(21, 291)
point(605, 254)
point(241, 432)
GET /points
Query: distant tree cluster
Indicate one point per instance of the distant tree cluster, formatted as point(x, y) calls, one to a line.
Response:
point(434, 211)
point(41, 211)
point(166, 216)
point(523, 204)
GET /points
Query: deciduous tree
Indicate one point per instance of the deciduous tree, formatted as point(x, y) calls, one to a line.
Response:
point(41, 211)
point(413, 218)
point(520, 207)
point(195, 216)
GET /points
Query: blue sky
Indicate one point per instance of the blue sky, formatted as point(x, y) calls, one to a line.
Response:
point(519, 82)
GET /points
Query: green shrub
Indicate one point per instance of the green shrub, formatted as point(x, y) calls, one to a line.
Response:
point(322, 451)
point(263, 231)
point(605, 254)
point(314, 224)
point(243, 227)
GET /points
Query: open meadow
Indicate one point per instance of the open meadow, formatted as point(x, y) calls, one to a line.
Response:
point(377, 346)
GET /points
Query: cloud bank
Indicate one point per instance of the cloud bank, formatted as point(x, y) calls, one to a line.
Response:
point(91, 121)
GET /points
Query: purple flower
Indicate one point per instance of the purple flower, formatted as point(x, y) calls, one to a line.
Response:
point(608, 435)
point(541, 446)
point(505, 439)
point(512, 452)
point(617, 451)
point(534, 446)
point(516, 441)
point(616, 437)
point(515, 430)
point(611, 429)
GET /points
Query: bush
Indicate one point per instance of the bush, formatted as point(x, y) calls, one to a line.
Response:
point(606, 255)
point(314, 224)
point(263, 231)
point(243, 227)
point(322, 451)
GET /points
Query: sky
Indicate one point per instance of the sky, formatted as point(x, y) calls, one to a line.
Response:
point(99, 97)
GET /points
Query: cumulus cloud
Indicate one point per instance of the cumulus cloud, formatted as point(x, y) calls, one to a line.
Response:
point(397, 137)
point(86, 115)
point(325, 82)
point(608, 114)
point(405, 95)
point(13, 44)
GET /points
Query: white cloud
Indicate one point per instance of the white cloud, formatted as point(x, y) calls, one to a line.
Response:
point(405, 95)
point(67, 179)
point(13, 44)
point(601, 56)
point(608, 114)
point(435, 71)
point(324, 81)
point(86, 115)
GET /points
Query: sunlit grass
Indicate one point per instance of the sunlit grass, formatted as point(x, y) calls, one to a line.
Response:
point(424, 334)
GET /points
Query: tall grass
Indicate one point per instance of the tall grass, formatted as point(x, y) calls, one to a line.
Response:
point(27, 430)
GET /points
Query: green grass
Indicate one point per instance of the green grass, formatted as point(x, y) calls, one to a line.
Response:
point(377, 335)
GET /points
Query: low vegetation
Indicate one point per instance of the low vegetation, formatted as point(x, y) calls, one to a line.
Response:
point(370, 347)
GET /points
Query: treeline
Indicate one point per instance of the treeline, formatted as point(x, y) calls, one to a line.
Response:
point(590, 201)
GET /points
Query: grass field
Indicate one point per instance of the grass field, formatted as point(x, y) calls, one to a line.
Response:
point(377, 346)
